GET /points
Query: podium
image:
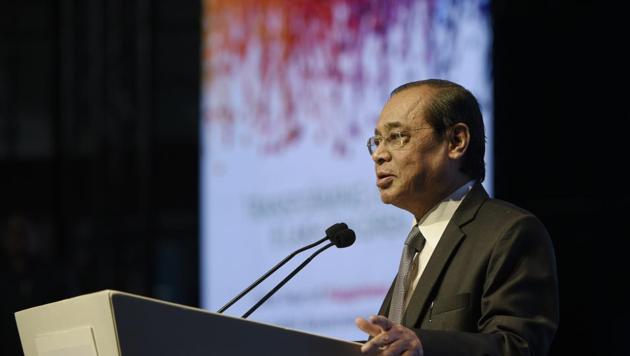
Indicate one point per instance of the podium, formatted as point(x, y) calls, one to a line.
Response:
point(113, 323)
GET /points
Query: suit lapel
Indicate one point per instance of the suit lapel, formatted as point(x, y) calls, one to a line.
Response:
point(445, 248)
point(443, 251)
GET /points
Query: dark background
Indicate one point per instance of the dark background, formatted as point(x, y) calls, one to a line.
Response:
point(99, 108)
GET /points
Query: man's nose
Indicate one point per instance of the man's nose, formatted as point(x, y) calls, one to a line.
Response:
point(381, 154)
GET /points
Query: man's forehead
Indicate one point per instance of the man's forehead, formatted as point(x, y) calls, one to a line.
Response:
point(401, 113)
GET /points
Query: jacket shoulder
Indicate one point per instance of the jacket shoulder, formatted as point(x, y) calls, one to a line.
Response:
point(499, 216)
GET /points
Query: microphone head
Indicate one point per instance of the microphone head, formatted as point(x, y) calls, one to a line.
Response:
point(340, 235)
point(344, 238)
point(334, 229)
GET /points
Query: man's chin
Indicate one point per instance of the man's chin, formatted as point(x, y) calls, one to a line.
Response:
point(391, 197)
point(386, 197)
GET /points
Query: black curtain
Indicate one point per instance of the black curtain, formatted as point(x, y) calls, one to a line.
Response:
point(98, 151)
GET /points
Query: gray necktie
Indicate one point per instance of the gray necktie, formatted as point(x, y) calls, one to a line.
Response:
point(414, 243)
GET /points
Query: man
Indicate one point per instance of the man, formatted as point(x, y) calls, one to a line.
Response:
point(481, 276)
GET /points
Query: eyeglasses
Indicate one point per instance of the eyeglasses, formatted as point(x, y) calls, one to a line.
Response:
point(394, 140)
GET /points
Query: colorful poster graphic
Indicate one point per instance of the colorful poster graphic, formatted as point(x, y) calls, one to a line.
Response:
point(291, 91)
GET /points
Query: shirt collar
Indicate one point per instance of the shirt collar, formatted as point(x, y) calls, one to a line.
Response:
point(445, 209)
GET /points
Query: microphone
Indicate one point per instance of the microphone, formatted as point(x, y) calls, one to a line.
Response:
point(341, 239)
point(331, 234)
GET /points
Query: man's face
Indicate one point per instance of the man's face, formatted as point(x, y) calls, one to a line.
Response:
point(414, 172)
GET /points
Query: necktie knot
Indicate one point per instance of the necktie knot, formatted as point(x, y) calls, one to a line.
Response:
point(415, 239)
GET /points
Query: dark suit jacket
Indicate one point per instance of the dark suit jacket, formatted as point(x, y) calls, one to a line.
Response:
point(490, 287)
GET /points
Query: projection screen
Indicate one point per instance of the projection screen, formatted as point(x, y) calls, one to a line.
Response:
point(291, 90)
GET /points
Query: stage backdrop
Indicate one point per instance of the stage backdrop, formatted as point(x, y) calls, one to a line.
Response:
point(291, 92)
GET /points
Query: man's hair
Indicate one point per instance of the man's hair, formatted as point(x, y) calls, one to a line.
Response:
point(452, 104)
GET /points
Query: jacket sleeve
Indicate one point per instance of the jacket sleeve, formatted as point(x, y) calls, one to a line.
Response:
point(519, 304)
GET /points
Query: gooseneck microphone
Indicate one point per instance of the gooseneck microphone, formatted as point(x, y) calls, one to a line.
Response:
point(331, 234)
point(341, 239)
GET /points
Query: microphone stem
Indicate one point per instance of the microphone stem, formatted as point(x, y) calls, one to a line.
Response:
point(262, 278)
point(285, 280)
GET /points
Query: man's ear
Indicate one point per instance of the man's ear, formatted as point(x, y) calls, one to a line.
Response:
point(458, 140)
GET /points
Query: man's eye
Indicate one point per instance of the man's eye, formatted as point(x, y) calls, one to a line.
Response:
point(395, 136)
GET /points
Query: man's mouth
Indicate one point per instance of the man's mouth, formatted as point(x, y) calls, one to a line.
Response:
point(384, 180)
